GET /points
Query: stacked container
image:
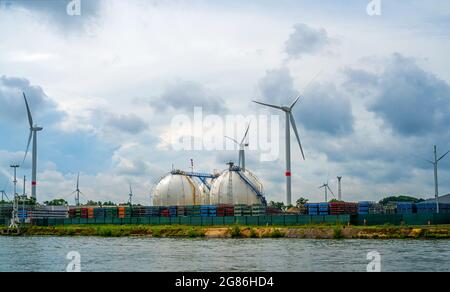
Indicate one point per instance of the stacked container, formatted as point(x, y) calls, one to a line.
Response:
point(406, 208)
point(313, 208)
point(181, 211)
point(91, 213)
point(343, 208)
point(84, 213)
point(111, 212)
point(193, 211)
point(430, 207)
point(124, 212)
point(225, 210)
point(324, 209)
point(164, 212)
point(242, 210)
point(172, 211)
point(364, 207)
point(258, 210)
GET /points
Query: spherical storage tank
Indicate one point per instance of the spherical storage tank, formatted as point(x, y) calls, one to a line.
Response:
point(176, 189)
point(237, 186)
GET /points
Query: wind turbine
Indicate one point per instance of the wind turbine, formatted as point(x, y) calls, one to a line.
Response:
point(130, 196)
point(290, 121)
point(33, 134)
point(436, 185)
point(77, 191)
point(327, 188)
point(242, 146)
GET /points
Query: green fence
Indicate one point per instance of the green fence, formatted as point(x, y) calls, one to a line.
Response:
point(287, 220)
point(401, 219)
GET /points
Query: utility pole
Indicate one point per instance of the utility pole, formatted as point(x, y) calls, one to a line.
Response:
point(14, 214)
point(435, 165)
point(339, 188)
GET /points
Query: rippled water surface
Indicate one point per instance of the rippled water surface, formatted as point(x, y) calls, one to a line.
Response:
point(147, 254)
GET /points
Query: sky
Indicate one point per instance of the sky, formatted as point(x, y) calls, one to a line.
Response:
point(106, 84)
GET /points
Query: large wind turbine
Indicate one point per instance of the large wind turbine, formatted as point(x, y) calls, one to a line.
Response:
point(290, 121)
point(242, 146)
point(33, 133)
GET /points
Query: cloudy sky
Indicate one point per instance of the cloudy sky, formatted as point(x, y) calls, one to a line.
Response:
point(106, 84)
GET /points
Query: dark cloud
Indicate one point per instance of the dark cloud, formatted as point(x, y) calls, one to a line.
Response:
point(411, 101)
point(322, 108)
point(306, 40)
point(13, 110)
point(56, 11)
point(277, 86)
point(131, 123)
point(186, 95)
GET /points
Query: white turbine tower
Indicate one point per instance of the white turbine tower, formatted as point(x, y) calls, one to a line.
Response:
point(242, 146)
point(327, 188)
point(33, 134)
point(290, 121)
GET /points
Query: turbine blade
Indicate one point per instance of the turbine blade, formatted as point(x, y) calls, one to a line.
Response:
point(232, 140)
point(330, 190)
point(443, 156)
point(28, 146)
point(296, 133)
point(78, 181)
point(269, 105)
point(246, 133)
point(131, 191)
point(295, 102)
point(30, 118)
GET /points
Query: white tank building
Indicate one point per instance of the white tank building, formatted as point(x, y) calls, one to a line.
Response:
point(177, 189)
point(204, 194)
point(237, 186)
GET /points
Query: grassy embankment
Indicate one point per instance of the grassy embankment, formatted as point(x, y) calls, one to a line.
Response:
point(236, 231)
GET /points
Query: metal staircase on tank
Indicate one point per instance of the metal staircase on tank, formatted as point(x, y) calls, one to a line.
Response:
point(201, 176)
point(237, 169)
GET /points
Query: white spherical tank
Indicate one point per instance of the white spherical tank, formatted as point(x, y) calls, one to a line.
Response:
point(231, 188)
point(176, 189)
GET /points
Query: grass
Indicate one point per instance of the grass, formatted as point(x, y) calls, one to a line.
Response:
point(239, 231)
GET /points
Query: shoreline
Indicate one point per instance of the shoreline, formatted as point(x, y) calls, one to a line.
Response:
point(237, 231)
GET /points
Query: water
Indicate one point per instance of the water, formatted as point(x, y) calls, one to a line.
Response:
point(246, 255)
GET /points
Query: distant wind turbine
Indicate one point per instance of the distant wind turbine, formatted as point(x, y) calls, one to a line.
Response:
point(242, 146)
point(77, 191)
point(327, 188)
point(33, 134)
point(130, 196)
point(290, 121)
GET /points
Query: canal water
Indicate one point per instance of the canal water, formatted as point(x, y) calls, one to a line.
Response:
point(239, 255)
